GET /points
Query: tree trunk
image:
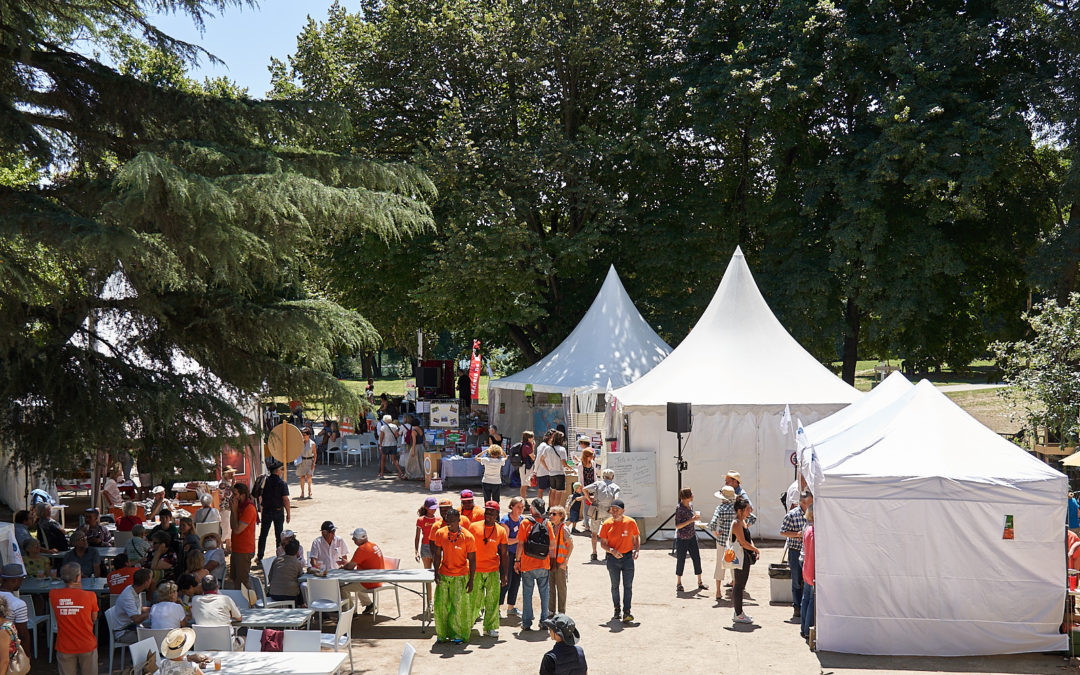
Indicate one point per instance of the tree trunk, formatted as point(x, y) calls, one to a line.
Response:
point(851, 341)
point(366, 365)
point(523, 343)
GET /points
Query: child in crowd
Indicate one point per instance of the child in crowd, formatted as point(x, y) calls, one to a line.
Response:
point(422, 542)
point(577, 503)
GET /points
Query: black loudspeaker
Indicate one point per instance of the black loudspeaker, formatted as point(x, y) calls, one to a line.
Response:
point(678, 417)
point(429, 377)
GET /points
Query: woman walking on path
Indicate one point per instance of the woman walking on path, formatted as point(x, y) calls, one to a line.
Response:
point(740, 532)
point(493, 461)
point(512, 522)
point(528, 456)
point(306, 469)
point(587, 471)
point(686, 539)
point(413, 439)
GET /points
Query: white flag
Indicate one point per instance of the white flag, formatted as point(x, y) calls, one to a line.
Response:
point(785, 421)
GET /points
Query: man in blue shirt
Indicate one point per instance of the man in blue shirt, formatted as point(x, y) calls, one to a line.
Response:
point(1073, 514)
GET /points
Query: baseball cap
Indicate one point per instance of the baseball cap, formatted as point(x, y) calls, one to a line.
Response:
point(445, 502)
point(430, 504)
point(564, 626)
point(466, 494)
point(619, 503)
point(93, 509)
point(288, 533)
point(12, 571)
point(327, 526)
point(157, 490)
point(491, 504)
point(359, 533)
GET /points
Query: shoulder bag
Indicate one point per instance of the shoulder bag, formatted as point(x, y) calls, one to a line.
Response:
point(19, 663)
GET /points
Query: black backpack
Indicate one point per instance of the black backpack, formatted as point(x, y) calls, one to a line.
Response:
point(515, 455)
point(537, 542)
point(257, 489)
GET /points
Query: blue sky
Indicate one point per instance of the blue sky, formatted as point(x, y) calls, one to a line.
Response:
point(246, 38)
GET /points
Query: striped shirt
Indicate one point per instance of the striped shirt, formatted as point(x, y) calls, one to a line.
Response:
point(794, 521)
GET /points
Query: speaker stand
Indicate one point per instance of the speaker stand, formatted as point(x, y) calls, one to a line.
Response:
point(680, 466)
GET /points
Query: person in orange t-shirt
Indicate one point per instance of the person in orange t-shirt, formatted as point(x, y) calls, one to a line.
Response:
point(491, 566)
point(76, 613)
point(440, 522)
point(367, 556)
point(534, 565)
point(620, 538)
point(469, 509)
point(424, 523)
point(243, 518)
point(120, 577)
point(454, 551)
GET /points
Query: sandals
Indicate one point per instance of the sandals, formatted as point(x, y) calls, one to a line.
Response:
point(679, 588)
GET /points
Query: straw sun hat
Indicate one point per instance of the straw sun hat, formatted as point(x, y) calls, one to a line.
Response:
point(177, 643)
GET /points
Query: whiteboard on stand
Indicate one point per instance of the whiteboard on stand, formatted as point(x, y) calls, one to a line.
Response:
point(635, 474)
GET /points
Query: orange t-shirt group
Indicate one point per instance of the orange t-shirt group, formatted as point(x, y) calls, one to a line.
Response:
point(619, 535)
point(488, 538)
point(425, 524)
point(73, 609)
point(456, 548)
point(121, 579)
point(245, 541)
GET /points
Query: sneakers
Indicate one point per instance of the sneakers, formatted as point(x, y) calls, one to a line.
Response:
point(593, 558)
point(526, 627)
point(627, 618)
point(370, 609)
point(743, 618)
point(617, 616)
point(513, 611)
point(492, 633)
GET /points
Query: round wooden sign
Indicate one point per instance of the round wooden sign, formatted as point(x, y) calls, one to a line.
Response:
point(285, 442)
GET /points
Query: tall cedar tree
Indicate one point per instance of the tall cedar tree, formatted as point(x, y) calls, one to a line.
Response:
point(210, 205)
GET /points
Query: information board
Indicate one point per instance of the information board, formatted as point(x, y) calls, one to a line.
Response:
point(635, 474)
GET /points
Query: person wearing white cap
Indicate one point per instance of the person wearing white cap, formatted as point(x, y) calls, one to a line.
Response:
point(367, 556)
point(285, 537)
point(388, 442)
point(207, 513)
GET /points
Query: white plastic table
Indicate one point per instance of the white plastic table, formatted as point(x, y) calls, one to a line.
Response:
point(393, 577)
point(42, 586)
point(275, 617)
point(283, 663)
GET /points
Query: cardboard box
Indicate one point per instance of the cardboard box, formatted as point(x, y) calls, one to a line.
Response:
point(432, 467)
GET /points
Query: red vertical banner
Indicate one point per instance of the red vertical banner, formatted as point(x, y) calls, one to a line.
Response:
point(474, 371)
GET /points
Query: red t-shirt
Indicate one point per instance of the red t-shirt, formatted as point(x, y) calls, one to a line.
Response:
point(121, 579)
point(425, 523)
point(127, 523)
point(244, 542)
point(73, 609)
point(368, 556)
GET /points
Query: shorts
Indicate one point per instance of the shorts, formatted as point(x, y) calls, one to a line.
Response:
point(389, 450)
point(543, 482)
point(425, 550)
point(558, 482)
point(523, 473)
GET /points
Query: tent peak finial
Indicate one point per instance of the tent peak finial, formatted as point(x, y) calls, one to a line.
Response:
point(738, 252)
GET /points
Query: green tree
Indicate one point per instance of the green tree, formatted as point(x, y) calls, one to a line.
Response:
point(1044, 370)
point(545, 128)
point(209, 203)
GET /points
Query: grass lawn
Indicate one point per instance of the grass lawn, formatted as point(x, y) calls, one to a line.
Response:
point(396, 387)
point(979, 372)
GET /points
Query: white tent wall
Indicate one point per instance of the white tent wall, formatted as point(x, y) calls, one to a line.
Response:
point(748, 439)
point(911, 572)
point(13, 489)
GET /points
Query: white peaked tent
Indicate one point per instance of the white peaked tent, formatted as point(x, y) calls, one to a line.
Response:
point(885, 394)
point(611, 344)
point(738, 368)
point(910, 540)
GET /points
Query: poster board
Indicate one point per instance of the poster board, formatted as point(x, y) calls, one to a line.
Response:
point(444, 414)
point(596, 437)
point(635, 474)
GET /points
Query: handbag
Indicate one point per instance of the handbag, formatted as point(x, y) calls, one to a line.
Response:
point(733, 555)
point(19, 663)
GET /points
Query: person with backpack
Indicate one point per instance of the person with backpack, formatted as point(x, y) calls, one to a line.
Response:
point(388, 442)
point(521, 458)
point(536, 547)
point(602, 494)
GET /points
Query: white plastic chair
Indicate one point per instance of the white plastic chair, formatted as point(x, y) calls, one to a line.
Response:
point(388, 564)
point(263, 600)
point(253, 640)
point(140, 653)
point(302, 641)
point(121, 539)
point(125, 638)
point(156, 634)
point(342, 638)
point(267, 563)
point(330, 452)
point(407, 656)
point(33, 621)
point(324, 595)
point(213, 638)
point(239, 597)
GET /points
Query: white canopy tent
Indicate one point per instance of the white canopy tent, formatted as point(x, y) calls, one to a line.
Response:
point(738, 368)
point(910, 525)
point(612, 345)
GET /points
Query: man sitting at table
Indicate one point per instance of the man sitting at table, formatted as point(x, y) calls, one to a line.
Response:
point(96, 533)
point(50, 534)
point(87, 558)
point(11, 578)
point(367, 556)
point(329, 551)
point(284, 575)
point(122, 574)
point(285, 537)
point(130, 612)
point(166, 525)
point(212, 608)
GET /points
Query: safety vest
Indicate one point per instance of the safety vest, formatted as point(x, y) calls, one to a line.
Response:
point(561, 550)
